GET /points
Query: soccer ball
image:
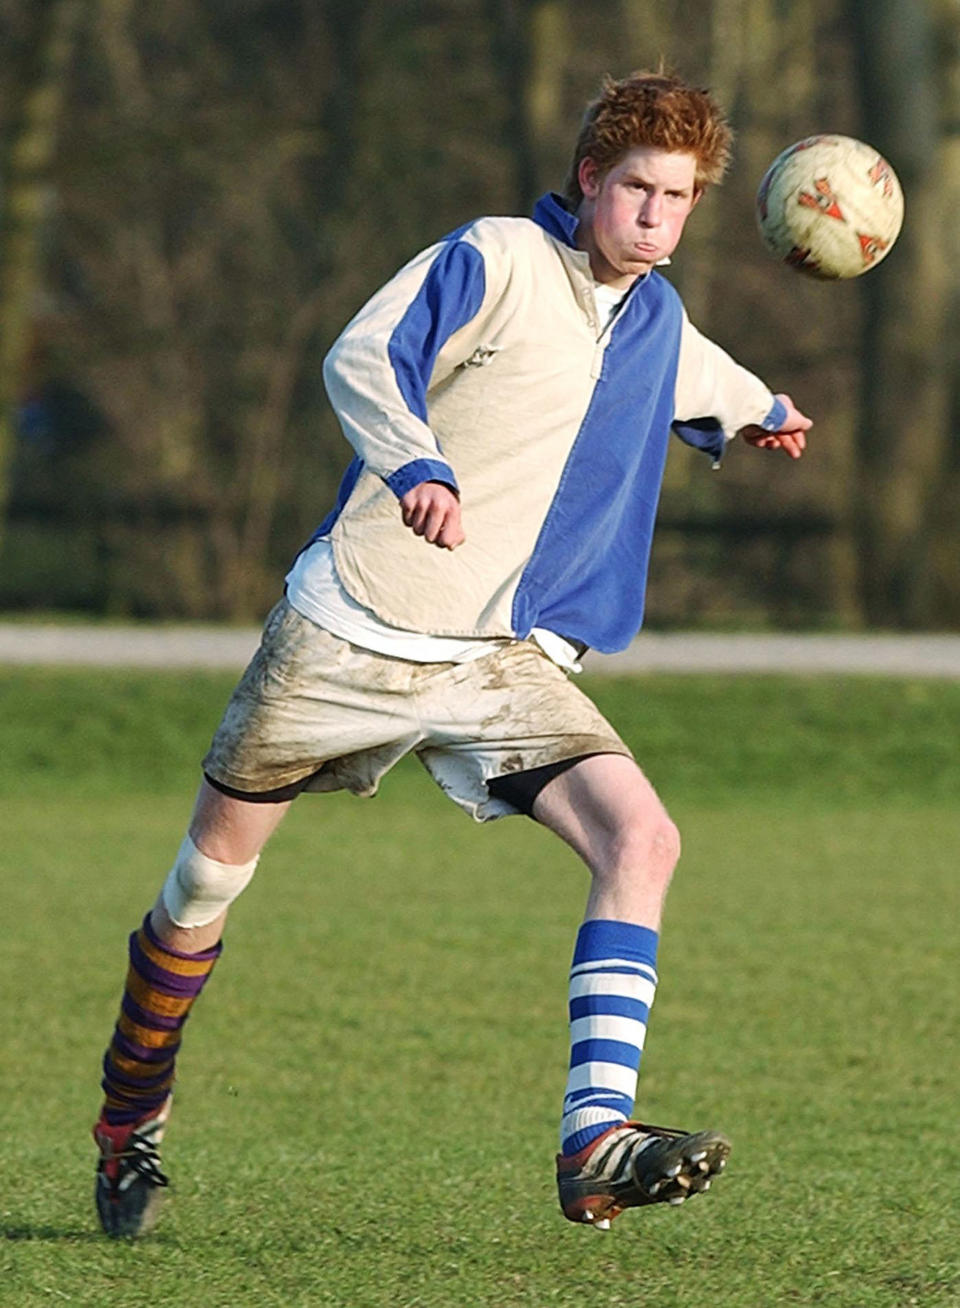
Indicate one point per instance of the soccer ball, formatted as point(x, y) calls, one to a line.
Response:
point(830, 206)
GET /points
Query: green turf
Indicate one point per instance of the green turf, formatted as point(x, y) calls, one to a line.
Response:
point(368, 1094)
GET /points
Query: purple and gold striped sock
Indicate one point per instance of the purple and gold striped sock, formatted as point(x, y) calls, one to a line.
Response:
point(162, 984)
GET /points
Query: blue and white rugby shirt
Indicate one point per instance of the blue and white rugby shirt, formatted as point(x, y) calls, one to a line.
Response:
point(484, 364)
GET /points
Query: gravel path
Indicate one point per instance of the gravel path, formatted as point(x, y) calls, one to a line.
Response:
point(895, 656)
point(144, 646)
point(229, 648)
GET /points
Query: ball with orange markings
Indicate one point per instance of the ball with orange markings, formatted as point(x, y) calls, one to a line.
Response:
point(830, 206)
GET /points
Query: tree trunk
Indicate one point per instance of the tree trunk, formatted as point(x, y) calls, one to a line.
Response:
point(944, 513)
point(905, 363)
point(264, 461)
point(28, 196)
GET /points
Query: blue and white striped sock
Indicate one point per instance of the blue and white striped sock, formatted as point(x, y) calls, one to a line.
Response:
point(612, 983)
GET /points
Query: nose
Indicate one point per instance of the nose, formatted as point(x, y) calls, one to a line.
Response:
point(651, 210)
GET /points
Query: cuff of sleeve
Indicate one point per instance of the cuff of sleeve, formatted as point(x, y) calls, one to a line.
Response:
point(776, 417)
point(420, 470)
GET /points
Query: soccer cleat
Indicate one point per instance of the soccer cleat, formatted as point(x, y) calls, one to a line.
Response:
point(129, 1178)
point(632, 1165)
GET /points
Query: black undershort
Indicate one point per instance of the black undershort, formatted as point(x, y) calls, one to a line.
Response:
point(278, 796)
point(517, 788)
point(522, 788)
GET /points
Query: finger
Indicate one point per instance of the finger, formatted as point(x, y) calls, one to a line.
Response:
point(452, 533)
point(414, 511)
point(790, 442)
point(433, 522)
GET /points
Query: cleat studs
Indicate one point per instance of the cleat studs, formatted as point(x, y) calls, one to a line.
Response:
point(721, 1164)
point(705, 1187)
point(698, 1157)
point(656, 1188)
point(684, 1182)
point(602, 1225)
point(673, 1171)
point(587, 1216)
point(677, 1200)
point(704, 1166)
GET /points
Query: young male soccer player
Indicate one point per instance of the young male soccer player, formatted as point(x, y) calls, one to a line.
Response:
point(509, 396)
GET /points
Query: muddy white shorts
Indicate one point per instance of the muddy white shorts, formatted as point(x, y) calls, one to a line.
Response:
point(314, 712)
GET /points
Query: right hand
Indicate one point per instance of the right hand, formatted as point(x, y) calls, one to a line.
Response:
point(432, 510)
point(790, 436)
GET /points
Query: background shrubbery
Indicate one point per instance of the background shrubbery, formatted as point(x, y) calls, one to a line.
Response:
point(198, 194)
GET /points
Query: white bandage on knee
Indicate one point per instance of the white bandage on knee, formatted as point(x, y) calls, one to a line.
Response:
point(199, 888)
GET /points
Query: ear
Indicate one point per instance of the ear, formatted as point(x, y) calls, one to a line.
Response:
point(697, 196)
point(589, 177)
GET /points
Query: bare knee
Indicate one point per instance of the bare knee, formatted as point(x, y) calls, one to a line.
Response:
point(217, 858)
point(199, 889)
point(632, 875)
point(646, 845)
point(607, 811)
point(666, 841)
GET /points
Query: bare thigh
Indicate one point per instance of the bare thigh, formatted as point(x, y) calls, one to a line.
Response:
point(610, 814)
point(232, 830)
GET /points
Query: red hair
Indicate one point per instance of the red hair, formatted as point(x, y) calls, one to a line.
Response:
point(653, 109)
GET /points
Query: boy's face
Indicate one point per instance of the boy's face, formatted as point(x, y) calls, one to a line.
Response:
point(632, 216)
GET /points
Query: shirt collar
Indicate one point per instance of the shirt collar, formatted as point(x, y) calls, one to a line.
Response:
point(556, 219)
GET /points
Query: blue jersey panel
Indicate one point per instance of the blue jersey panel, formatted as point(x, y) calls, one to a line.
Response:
point(587, 575)
point(450, 296)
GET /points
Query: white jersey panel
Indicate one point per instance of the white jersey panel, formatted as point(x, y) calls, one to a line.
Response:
point(314, 590)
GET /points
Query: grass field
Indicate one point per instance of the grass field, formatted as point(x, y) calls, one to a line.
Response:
point(367, 1104)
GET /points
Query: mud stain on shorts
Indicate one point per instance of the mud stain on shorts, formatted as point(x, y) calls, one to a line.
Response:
point(312, 705)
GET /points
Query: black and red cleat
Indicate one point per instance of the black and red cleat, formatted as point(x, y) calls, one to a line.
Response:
point(632, 1165)
point(130, 1181)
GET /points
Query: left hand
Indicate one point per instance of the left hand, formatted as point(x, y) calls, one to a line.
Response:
point(790, 436)
point(432, 510)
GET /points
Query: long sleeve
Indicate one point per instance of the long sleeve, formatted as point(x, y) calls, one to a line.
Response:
point(378, 370)
point(715, 396)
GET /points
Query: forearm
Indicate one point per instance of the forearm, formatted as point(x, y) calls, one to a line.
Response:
point(710, 384)
point(376, 419)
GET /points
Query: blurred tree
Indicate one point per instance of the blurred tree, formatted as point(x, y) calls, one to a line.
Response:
point(944, 561)
point(227, 180)
point(531, 48)
point(47, 41)
point(197, 273)
point(906, 366)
